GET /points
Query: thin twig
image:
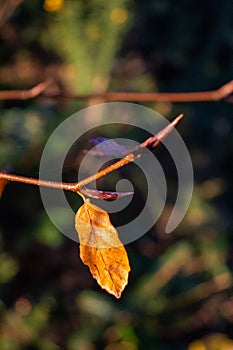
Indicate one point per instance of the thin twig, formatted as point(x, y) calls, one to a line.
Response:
point(214, 95)
point(24, 94)
point(223, 93)
point(151, 142)
point(37, 182)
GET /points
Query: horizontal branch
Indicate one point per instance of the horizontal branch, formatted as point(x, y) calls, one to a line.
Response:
point(37, 182)
point(5, 178)
point(151, 142)
point(223, 93)
point(215, 95)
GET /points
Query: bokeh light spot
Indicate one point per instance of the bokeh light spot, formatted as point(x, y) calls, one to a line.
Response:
point(53, 5)
point(119, 15)
point(197, 345)
point(23, 306)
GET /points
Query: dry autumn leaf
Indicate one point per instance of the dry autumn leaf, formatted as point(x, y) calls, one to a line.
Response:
point(101, 248)
point(3, 183)
point(108, 147)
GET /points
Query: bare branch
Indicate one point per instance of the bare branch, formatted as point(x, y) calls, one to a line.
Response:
point(151, 142)
point(37, 182)
point(223, 93)
point(215, 95)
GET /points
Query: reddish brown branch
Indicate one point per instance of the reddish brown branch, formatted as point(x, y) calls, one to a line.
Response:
point(37, 182)
point(215, 95)
point(24, 94)
point(223, 92)
point(151, 142)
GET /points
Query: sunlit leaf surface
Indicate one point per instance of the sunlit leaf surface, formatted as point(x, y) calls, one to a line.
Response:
point(101, 249)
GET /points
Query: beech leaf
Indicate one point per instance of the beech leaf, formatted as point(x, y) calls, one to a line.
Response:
point(108, 147)
point(101, 249)
point(3, 183)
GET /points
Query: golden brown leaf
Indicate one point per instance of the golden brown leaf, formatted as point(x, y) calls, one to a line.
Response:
point(101, 248)
point(3, 183)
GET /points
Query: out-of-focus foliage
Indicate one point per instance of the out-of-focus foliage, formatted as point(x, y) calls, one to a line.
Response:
point(95, 29)
point(180, 288)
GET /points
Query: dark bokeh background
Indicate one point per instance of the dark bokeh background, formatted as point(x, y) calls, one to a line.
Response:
point(180, 288)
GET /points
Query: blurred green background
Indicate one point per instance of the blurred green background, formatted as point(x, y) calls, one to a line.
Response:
point(179, 294)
